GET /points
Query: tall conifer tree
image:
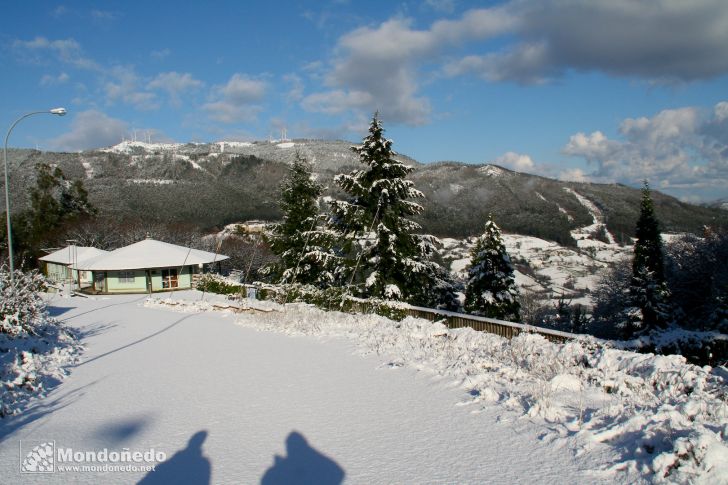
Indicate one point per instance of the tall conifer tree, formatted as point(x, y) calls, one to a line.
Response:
point(387, 259)
point(491, 287)
point(648, 293)
point(298, 240)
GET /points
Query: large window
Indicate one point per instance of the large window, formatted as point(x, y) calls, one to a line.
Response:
point(169, 278)
point(126, 277)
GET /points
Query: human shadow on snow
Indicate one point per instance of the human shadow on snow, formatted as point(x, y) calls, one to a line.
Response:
point(302, 465)
point(138, 341)
point(186, 466)
point(40, 408)
point(103, 307)
point(117, 432)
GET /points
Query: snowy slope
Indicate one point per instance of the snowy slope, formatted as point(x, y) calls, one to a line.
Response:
point(544, 267)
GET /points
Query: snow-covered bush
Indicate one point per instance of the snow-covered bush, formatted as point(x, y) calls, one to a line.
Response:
point(34, 348)
point(333, 298)
point(22, 307)
point(213, 283)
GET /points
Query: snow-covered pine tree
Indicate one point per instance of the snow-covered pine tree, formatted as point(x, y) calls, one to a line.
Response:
point(648, 293)
point(491, 289)
point(387, 260)
point(299, 241)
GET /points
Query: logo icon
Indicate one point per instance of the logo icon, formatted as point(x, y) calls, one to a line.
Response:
point(41, 459)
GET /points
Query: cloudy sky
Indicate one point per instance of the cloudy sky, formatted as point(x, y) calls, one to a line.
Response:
point(604, 91)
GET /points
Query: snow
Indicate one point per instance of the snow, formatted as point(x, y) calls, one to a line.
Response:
point(631, 402)
point(73, 254)
point(89, 169)
point(491, 171)
point(149, 253)
point(597, 218)
point(394, 402)
point(556, 268)
point(233, 144)
point(152, 181)
point(286, 145)
point(153, 377)
point(128, 146)
point(188, 159)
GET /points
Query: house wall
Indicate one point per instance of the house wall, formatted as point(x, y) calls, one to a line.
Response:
point(56, 272)
point(60, 273)
point(139, 285)
point(86, 278)
point(184, 280)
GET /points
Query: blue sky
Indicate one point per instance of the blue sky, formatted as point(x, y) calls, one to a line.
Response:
point(613, 91)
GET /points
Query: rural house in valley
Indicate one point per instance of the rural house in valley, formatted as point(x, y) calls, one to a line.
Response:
point(148, 266)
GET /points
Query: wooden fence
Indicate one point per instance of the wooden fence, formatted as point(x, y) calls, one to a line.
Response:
point(450, 319)
point(481, 324)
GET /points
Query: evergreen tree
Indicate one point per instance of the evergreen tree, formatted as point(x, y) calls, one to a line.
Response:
point(491, 289)
point(648, 292)
point(386, 259)
point(55, 203)
point(299, 242)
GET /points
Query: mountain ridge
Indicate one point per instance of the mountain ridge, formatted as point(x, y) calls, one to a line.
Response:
point(213, 184)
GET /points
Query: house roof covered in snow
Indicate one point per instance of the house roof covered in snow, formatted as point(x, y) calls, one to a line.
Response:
point(149, 253)
point(72, 254)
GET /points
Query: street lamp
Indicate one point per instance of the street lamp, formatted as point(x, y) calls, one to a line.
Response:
point(54, 111)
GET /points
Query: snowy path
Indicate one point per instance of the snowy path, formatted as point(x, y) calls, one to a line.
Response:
point(154, 379)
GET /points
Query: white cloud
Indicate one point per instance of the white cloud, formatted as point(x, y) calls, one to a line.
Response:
point(381, 67)
point(59, 11)
point(721, 111)
point(526, 63)
point(378, 68)
point(49, 80)
point(237, 100)
point(574, 175)
point(91, 129)
point(516, 161)
point(126, 86)
point(677, 148)
point(175, 84)
point(241, 89)
point(295, 92)
point(104, 15)
point(65, 50)
point(658, 40)
point(336, 102)
point(446, 6)
point(160, 54)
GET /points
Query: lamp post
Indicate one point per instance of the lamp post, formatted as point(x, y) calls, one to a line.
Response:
point(54, 111)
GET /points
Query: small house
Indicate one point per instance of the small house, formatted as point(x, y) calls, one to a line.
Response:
point(148, 266)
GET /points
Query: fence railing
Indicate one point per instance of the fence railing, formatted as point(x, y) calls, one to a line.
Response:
point(453, 319)
point(482, 324)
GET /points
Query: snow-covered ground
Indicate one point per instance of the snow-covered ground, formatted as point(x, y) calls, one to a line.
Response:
point(226, 395)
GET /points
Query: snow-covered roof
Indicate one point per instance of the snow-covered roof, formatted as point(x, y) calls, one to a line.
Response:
point(149, 253)
point(73, 254)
